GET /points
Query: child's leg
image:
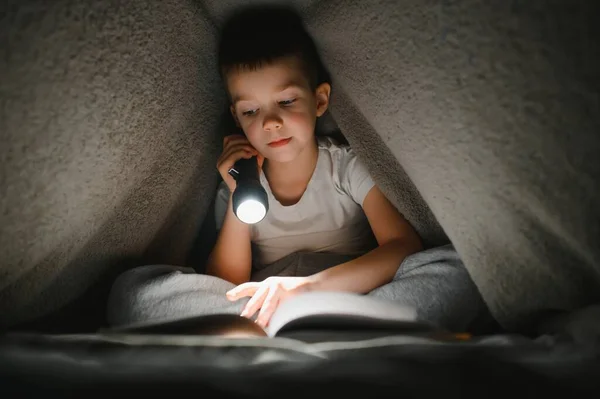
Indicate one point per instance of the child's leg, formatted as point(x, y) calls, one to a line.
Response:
point(161, 292)
point(436, 283)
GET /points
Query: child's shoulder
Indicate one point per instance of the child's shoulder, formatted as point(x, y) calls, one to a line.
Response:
point(340, 154)
point(347, 170)
point(333, 146)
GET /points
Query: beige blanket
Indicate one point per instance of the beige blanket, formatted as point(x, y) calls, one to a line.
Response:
point(479, 119)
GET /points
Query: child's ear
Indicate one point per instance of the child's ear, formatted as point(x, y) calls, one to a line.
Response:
point(232, 110)
point(322, 94)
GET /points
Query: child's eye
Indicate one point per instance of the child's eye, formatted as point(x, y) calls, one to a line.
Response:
point(287, 102)
point(249, 112)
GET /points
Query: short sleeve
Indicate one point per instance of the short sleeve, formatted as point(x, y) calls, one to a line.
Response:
point(355, 179)
point(221, 203)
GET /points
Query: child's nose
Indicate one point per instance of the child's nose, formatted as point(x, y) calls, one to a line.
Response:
point(272, 122)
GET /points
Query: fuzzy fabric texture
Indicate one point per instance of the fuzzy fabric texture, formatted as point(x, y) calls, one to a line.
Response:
point(479, 119)
point(109, 144)
point(492, 109)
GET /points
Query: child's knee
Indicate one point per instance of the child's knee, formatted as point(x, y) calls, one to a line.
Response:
point(132, 289)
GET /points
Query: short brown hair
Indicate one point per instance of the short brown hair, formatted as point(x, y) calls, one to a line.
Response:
point(259, 35)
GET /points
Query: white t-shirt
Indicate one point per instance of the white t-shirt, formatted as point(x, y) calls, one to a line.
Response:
point(327, 218)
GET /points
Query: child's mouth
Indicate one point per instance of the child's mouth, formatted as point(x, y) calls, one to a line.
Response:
point(279, 143)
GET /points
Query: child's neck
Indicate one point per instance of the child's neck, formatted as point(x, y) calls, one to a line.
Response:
point(288, 180)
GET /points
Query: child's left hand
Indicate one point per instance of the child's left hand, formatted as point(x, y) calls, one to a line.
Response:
point(267, 295)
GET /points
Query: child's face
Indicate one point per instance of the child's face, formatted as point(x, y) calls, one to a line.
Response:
point(276, 107)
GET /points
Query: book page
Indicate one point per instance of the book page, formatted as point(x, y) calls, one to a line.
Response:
point(337, 303)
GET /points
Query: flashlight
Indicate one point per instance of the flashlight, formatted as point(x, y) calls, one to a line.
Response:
point(249, 200)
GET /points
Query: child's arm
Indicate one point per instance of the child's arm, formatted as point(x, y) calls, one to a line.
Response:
point(231, 257)
point(396, 238)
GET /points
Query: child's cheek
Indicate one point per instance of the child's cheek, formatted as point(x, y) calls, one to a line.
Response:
point(253, 133)
point(248, 127)
point(298, 118)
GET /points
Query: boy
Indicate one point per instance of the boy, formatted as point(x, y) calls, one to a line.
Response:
point(321, 201)
point(276, 95)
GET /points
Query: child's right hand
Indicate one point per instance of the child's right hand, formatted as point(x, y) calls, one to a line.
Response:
point(235, 147)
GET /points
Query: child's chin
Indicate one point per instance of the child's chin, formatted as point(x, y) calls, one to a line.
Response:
point(283, 156)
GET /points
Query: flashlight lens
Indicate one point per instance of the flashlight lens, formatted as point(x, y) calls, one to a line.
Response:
point(251, 211)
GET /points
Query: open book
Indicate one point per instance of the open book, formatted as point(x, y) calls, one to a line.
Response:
point(336, 310)
point(323, 311)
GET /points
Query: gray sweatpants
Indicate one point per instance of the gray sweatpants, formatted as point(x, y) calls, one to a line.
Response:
point(434, 282)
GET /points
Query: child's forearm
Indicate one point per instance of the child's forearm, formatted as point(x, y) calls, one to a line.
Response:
point(231, 258)
point(366, 272)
